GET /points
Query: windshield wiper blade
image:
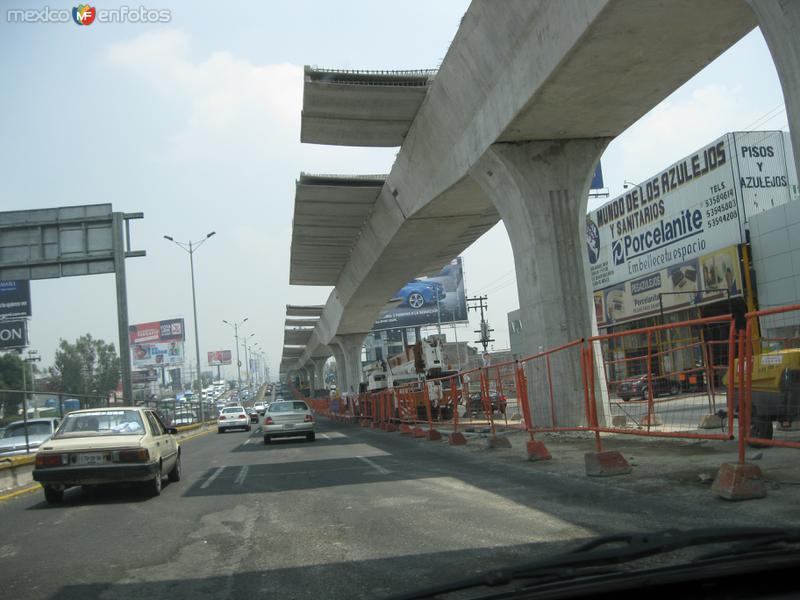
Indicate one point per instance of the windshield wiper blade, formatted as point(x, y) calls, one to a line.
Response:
point(615, 550)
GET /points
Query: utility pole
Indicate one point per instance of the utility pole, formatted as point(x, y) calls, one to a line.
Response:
point(235, 326)
point(481, 303)
point(33, 356)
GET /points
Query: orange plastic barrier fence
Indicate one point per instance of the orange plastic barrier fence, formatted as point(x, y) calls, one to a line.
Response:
point(667, 380)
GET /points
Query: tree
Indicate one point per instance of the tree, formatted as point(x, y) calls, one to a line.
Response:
point(10, 379)
point(88, 366)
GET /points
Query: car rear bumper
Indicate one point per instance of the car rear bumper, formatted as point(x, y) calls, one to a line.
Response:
point(281, 430)
point(95, 474)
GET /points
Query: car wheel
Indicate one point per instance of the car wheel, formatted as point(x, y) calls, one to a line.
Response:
point(311, 436)
point(416, 300)
point(625, 399)
point(249, 428)
point(153, 486)
point(673, 390)
point(175, 474)
point(267, 439)
point(762, 429)
point(220, 431)
point(53, 495)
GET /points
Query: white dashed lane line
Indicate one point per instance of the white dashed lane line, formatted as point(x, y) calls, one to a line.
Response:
point(374, 465)
point(241, 476)
point(211, 479)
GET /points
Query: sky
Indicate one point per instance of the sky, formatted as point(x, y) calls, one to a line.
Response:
point(196, 123)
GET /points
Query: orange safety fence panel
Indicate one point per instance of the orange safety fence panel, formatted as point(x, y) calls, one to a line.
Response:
point(671, 380)
point(554, 391)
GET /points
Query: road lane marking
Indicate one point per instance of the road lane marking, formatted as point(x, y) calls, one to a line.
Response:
point(211, 479)
point(374, 465)
point(242, 474)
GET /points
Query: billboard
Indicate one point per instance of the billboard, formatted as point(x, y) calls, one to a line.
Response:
point(219, 357)
point(144, 376)
point(694, 282)
point(171, 330)
point(15, 298)
point(157, 354)
point(13, 334)
point(698, 205)
point(427, 300)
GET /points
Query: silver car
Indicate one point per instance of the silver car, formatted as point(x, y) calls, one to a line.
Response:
point(288, 419)
point(12, 443)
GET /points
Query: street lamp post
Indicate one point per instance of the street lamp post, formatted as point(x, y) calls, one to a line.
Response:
point(238, 362)
point(191, 247)
point(246, 362)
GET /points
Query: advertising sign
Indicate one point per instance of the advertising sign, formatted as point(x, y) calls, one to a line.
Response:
point(145, 376)
point(13, 334)
point(697, 205)
point(157, 331)
point(157, 354)
point(15, 298)
point(428, 300)
point(692, 283)
point(219, 357)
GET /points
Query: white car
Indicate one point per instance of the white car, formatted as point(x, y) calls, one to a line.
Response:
point(260, 407)
point(288, 419)
point(233, 417)
point(107, 445)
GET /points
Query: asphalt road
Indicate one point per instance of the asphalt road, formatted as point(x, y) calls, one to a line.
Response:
point(356, 514)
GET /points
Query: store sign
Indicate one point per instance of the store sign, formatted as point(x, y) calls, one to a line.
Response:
point(13, 334)
point(695, 282)
point(15, 298)
point(693, 207)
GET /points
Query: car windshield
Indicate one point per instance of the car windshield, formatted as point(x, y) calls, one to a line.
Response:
point(282, 407)
point(101, 422)
point(233, 409)
point(35, 428)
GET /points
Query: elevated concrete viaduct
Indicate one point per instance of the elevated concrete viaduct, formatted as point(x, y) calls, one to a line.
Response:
point(511, 127)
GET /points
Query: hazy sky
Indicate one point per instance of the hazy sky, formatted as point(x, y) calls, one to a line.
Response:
point(196, 123)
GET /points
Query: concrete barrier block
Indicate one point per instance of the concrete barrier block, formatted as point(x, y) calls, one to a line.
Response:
point(432, 435)
point(364, 423)
point(391, 427)
point(493, 443)
point(537, 450)
point(711, 421)
point(405, 429)
point(651, 420)
point(606, 464)
point(619, 421)
point(457, 439)
point(739, 482)
point(419, 432)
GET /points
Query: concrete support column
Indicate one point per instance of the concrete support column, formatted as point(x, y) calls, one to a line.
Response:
point(780, 22)
point(319, 373)
point(541, 191)
point(341, 372)
point(351, 349)
point(309, 373)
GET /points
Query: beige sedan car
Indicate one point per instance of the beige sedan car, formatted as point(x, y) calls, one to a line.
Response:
point(108, 445)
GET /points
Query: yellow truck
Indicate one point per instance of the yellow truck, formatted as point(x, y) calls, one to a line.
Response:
point(775, 390)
